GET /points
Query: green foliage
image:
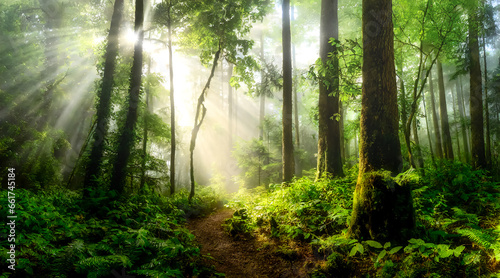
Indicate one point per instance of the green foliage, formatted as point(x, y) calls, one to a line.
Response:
point(303, 210)
point(454, 237)
point(238, 223)
point(349, 56)
point(143, 234)
point(258, 164)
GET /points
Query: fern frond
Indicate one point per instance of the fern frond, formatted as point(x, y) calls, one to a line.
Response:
point(481, 238)
point(462, 215)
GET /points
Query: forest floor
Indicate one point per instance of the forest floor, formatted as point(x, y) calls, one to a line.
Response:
point(254, 255)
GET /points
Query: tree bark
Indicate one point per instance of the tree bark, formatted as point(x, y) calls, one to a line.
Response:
point(460, 100)
point(145, 131)
point(404, 119)
point(456, 120)
point(476, 96)
point(486, 106)
point(420, 158)
point(435, 120)
point(127, 137)
point(93, 168)
point(445, 126)
point(287, 117)
point(428, 132)
point(382, 209)
point(329, 152)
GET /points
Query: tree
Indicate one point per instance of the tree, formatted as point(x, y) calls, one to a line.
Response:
point(382, 208)
point(476, 94)
point(445, 126)
point(298, 166)
point(219, 26)
point(127, 136)
point(104, 104)
point(433, 24)
point(287, 119)
point(428, 132)
point(329, 147)
point(435, 119)
point(462, 121)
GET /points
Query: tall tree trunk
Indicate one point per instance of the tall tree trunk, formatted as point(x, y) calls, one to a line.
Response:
point(476, 96)
point(445, 126)
point(420, 158)
point(145, 130)
point(382, 209)
point(455, 117)
point(435, 120)
point(93, 167)
point(404, 119)
point(329, 153)
point(172, 104)
point(127, 137)
point(428, 132)
point(461, 109)
point(201, 111)
point(486, 106)
point(287, 118)
point(262, 113)
point(298, 168)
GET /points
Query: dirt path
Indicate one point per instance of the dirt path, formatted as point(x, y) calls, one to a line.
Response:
point(246, 257)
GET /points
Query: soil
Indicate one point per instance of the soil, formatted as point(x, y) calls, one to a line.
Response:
point(249, 256)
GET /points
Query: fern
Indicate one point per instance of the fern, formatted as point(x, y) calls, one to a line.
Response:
point(489, 241)
point(481, 238)
point(469, 217)
point(98, 264)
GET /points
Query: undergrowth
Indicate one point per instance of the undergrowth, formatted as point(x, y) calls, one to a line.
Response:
point(457, 233)
point(140, 236)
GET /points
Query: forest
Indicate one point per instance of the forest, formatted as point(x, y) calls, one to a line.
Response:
point(250, 138)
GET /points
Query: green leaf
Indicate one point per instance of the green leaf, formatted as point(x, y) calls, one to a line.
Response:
point(381, 255)
point(395, 249)
point(353, 251)
point(458, 250)
point(374, 244)
point(357, 248)
point(387, 245)
point(416, 241)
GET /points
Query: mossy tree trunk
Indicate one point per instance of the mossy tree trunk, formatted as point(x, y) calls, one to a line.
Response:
point(382, 209)
point(93, 167)
point(476, 96)
point(127, 137)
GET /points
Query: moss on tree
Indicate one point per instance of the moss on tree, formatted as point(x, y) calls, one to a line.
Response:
point(382, 209)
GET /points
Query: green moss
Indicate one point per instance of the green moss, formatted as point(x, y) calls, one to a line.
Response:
point(383, 209)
